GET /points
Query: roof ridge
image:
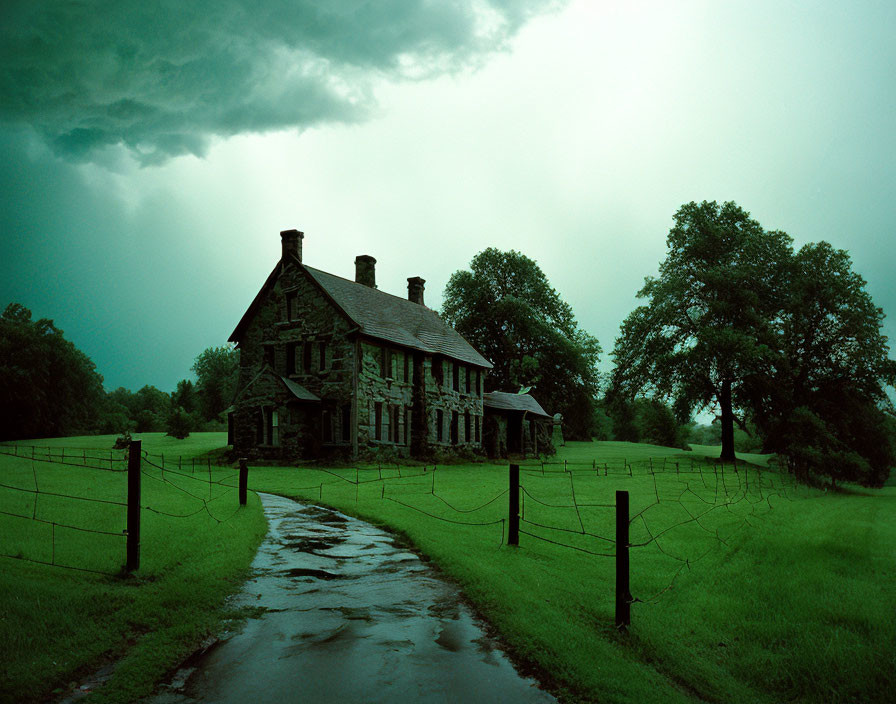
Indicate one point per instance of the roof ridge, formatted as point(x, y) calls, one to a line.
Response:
point(369, 288)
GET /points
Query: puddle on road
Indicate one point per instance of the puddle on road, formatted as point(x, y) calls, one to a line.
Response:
point(349, 616)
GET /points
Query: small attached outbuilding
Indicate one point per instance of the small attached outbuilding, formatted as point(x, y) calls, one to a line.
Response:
point(514, 424)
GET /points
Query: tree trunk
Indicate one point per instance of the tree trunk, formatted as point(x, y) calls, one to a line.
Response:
point(727, 422)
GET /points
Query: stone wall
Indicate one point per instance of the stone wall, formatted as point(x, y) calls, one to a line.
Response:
point(389, 392)
point(296, 333)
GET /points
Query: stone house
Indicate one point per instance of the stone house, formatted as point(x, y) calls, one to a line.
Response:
point(515, 424)
point(333, 367)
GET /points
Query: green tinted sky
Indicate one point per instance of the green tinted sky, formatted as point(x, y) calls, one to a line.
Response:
point(151, 155)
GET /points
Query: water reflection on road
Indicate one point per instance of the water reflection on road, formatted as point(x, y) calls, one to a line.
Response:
point(349, 617)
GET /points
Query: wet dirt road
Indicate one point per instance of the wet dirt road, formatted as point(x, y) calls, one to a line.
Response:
point(349, 617)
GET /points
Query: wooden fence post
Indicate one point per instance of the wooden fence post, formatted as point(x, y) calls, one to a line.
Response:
point(513, 532)
point(133, 529)
point(623, 590)
point(244, 480)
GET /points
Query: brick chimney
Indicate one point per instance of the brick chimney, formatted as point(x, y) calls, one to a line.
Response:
point(415, 289)
point(365, 270)
point(292, 243)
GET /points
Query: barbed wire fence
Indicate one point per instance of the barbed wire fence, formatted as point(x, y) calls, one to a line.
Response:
point(582, 520)
point(671, 496)
point(42, 503)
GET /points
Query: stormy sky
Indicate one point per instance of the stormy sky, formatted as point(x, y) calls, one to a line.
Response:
point(150, 153)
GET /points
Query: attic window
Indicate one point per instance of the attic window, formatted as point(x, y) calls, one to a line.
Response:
point(292, 299)
point(438, 372)
point(269, 355)
point(455, 382)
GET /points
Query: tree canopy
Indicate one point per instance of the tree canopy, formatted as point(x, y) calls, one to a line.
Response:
point(216, 370)
point(48, 387)
point(737, 321)
point(505, 306)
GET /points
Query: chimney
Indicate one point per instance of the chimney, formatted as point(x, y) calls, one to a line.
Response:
point(415, 289)
point(292, 243)
point(365, 270)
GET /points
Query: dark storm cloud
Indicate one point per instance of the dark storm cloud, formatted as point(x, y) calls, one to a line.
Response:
point(163, 77)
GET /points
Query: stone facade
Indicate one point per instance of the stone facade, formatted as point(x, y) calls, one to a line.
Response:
point(316, 381)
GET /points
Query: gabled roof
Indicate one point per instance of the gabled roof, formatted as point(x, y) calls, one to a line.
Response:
point(299, 391)
point(394, 319)
point(503, 401)
point(382, 316)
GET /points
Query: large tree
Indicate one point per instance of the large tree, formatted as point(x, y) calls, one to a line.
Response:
point(738, 322)
point(505, 306)
point(821, 398)
point(48, 387)
point(216, 371)
point(707, 321)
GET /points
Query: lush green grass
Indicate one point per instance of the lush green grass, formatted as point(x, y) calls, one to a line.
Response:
point(59, 624)
point(796, 604)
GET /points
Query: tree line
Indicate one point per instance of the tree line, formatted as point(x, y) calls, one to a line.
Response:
point(50, 388)
point(785, 346)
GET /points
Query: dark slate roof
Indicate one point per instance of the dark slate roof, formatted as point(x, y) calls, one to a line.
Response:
point(383, 316)
point(503, 401)
point(394, 319)
point(299, 391)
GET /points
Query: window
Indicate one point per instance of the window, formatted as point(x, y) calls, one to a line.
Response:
point(386, 363)
point(346, 422)
point(396, 436)
point(454, 428)
point(467, 426)
point(405, 377)
point(322, 354)
point(269, 355)
point(477, 430)
point(378, 420)
point(455, 381)
point(438, 372)
point(467, 384)
point(291, 358)
point(326, 423)
point(478, 390)
point(440, 422)
point(291, 305)
point(268, 427)
point(407, 425)
point(306, 358)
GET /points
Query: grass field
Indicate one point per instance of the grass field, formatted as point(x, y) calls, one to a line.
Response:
point(777, 593)
point(750, 589)
point(59, 624)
